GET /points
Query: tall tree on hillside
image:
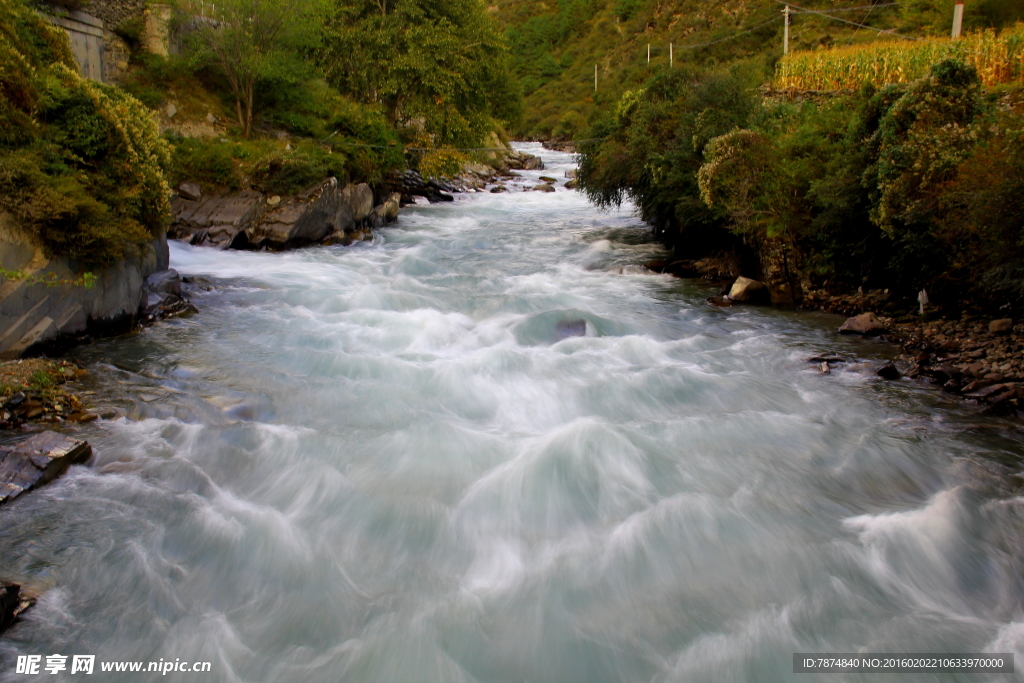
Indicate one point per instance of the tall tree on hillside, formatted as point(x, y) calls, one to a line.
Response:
point(254, 41)
point(442, 63)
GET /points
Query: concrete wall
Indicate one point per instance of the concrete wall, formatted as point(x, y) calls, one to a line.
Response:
point(87, 42)
point(32, 313)
point(101, 54)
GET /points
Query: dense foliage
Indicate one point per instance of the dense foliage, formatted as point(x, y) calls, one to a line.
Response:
point(81, 164)
point(884, 188)
point(253, 43)
point(437, 67)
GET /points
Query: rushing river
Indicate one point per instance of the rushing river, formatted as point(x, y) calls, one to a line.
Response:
point(398, 462)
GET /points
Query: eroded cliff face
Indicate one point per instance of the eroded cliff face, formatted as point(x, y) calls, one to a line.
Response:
point(32, 312)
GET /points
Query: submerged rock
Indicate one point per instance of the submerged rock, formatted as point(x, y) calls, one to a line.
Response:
point(720, 301)
point(13, 603)
point(571, 328)
point(888, 371)
point(826, 358)
point(38, 460)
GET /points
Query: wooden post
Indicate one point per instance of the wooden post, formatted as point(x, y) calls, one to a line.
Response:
point(785, 31)
point(958, 18)
point(670, 55)
point(648, 54)
point(595, 78)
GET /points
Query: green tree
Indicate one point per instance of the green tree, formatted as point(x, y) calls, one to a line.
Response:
point(653, 148)
point(437, 64)
point(254, 41)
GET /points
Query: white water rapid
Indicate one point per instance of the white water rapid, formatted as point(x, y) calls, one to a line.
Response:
point(398, 462)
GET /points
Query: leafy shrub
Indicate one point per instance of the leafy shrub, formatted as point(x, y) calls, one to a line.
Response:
point(81, 164)
point(209, 162)
point(289, 171)
point(440, 163)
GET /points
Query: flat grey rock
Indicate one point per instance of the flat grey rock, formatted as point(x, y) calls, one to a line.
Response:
point(38, 460)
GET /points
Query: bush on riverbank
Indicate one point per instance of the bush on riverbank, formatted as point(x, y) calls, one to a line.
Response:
point(908, 187)
point(81, 164)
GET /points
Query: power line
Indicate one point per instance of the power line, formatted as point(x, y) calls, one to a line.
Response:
point(804, 10)
point(730, 37)
point(854, 9)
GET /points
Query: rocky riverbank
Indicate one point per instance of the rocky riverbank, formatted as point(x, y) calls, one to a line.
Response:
point(34, 391)
point(978, 358)
point(329, 213)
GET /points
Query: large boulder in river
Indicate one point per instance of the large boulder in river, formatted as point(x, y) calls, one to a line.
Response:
point(360, 200)
point(249, 220)
point(388, 211)
point(866, 324)
point(745, 290)
point(521, 161)
point(215, 221)
point(300, 220)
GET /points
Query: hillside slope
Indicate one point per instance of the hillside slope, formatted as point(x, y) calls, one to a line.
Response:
point(557, 44)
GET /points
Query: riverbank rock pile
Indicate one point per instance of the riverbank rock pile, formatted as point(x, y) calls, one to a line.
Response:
point(977, 358)
point(327, 213)
point(876, 300)
point(31, 390)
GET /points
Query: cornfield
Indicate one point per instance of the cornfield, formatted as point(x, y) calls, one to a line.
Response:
point(998, 59)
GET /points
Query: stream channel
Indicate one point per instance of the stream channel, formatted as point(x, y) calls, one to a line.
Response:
point(476, 450)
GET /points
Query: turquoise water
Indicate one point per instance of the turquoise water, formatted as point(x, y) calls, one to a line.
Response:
point(395, 462)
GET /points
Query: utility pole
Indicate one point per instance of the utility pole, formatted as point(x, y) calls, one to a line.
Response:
point(785, 31)
point(670, 55)
point(958, 17)
point(595, 78)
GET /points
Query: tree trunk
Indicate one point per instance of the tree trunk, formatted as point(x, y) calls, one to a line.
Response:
point(250, 95)
point(780, 270)
point(238, 112)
